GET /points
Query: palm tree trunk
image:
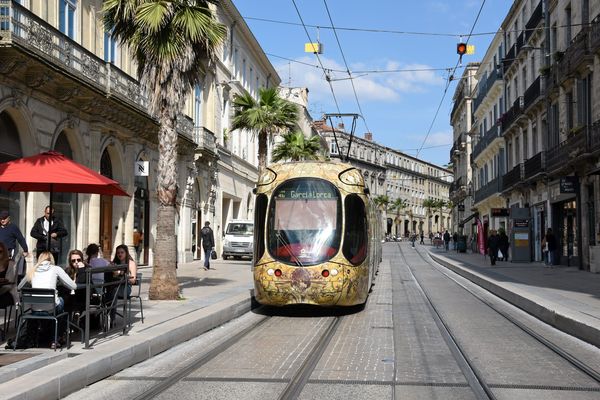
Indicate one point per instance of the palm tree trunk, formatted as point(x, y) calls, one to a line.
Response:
point(164, 284)
point(262, 151)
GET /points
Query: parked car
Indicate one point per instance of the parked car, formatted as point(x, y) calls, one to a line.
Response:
point(238, 239)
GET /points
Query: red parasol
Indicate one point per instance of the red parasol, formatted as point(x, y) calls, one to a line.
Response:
point(53, 172)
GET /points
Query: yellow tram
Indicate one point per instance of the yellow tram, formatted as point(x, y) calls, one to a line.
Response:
point(317, 236)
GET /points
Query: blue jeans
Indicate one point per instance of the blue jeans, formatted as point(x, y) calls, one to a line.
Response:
point(550, 257)
point(207, 257)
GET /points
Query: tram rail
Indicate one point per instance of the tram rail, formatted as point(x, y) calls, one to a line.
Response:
point(571, 359)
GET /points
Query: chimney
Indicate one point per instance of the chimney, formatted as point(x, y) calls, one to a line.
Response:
point(369, 136)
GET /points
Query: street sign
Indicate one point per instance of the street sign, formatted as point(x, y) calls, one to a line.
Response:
point(141, 168)
point(568, 184)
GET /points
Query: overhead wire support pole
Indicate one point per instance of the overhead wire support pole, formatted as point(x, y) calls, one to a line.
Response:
point(352, 129)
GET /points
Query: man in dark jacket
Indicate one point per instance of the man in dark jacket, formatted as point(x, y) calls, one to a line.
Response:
point(493, 246)
point(550, 244)
point(447, 240)
point(55, 227)
point(503, 244)
point(208, 243)
point(10, 235)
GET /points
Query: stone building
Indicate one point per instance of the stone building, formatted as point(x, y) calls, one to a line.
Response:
point(537, 84)
point(66, 85)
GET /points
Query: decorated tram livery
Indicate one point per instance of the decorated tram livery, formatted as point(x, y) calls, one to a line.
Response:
point(317, 235)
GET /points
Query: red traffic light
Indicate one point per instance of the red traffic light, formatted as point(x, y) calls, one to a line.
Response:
point(461, 49)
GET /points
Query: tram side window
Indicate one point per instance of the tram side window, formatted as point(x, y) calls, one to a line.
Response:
point(356, 235)
point(260, 216)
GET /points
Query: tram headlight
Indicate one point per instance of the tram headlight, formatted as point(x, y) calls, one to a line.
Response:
point(271, 272)
point(334, 272)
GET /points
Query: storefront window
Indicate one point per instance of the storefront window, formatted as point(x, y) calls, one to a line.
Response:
point(569, 236)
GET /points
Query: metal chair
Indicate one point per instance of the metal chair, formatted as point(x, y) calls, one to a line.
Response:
point(137, 295)
point(40, 304)
point(7, 314)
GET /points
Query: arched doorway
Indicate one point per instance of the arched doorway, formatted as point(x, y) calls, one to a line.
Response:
point(10, 150)
point(65, 204)
point(106, 205)
point(141, 222)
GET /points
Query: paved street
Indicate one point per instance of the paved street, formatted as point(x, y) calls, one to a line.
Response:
point(394, 348)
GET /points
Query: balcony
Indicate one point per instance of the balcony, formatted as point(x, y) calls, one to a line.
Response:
point(513, 113)
point(594, 137)
point(512, 178)
point(566, 151)
point(595, 35)
point(536, 17)
point(491, 188)
point(459, 99)
point(534, 166)
point(533, 93)
point(486, 140)
point(485, 86)
point(205, 140)
point(509, 58)
point(575, 55)
point(520, 42)
point(458, 146)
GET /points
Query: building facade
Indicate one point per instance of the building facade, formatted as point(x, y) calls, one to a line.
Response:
point(391, 173)
point(65, 85)
point(541, 159)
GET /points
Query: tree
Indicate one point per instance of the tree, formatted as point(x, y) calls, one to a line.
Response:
point(382, 201)
point(429, 204)
point(171, 42)
point(439, 206)
point(296, 147)
point(399, 205)
point(265, 117)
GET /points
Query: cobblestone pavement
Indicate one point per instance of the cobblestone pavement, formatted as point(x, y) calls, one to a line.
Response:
point(392, 349)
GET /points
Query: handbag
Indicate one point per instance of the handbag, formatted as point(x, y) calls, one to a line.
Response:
point(500, 255)
point(213, 255)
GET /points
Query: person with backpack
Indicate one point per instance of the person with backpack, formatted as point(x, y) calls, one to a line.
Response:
point(208, 244)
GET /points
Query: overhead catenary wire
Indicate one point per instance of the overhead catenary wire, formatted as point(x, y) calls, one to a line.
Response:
point(337, 106)
point(448, 83)
point(346, 65)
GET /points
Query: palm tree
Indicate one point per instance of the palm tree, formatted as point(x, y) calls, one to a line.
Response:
point(439, 206)
point(268, 115)
point(382, 201)
point(399, 205)
point(170, 41)
point(296, 147)
point(429, 204)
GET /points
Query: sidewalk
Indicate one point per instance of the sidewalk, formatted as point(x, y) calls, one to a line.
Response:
point(564, 297)
point(210, 298)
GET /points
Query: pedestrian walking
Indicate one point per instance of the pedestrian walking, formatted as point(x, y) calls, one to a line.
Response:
point(10, 234)
point(49, 224)
point(422, 237)
point(208, 243)
point(431, 238)
point(138, 239)
point(455, 241)
point(447, 240)
point(549, 247)
point(503, 244)
point(492, 246)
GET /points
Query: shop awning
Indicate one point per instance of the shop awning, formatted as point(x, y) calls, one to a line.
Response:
point(470, 217)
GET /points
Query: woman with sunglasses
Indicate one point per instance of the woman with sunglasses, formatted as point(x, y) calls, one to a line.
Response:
point(75, 299)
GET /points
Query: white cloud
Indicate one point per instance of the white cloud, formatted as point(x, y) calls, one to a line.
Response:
point(383, 87)
point(435, 138)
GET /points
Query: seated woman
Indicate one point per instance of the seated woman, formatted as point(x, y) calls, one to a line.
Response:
point(8, 278)
point(122, 257)
point(94, 261)
point(75, 300)
point(45, 275)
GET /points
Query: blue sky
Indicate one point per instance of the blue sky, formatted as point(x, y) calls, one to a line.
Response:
point(398, 107)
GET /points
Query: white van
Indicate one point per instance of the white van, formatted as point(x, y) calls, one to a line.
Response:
point(238, 239)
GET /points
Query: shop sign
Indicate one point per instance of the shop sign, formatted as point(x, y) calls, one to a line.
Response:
point(141, 168)
point(521, 223)
point(499, 212)
point(568, 184)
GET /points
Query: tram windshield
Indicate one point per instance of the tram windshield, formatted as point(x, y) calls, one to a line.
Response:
point(304, 222)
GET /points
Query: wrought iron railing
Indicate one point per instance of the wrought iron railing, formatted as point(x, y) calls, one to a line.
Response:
point(534, 21)
point(491, 188)
point(492, 134)
point(534, 166)
point(566, 151)
point(21, 27)
point(513, 113)
point(485, 86)
point(509, 58)
point(205, 139)
point(512, 177)
point(595, 34)
point(533, 93)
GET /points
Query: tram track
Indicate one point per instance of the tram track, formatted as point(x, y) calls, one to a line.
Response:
point(293, 386)
point(473, 376)
point(556, 349)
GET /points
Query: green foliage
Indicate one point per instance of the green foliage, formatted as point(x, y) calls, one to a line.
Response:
point(382, 201)
point(296, 147)
point(399, 205)
point(268, 115)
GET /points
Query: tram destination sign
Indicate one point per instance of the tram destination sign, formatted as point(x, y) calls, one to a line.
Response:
point(568, 184)
point(305, 194)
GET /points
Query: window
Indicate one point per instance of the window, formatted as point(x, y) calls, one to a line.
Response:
point(109, 48)
point(569, 101)
point(304, 222)
point(534, 139)
point(356, 234)
point(234, 62)
point(333, 148)
point(198, 105)
point(66, 17)
point(260, 217)
point(568, 32)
